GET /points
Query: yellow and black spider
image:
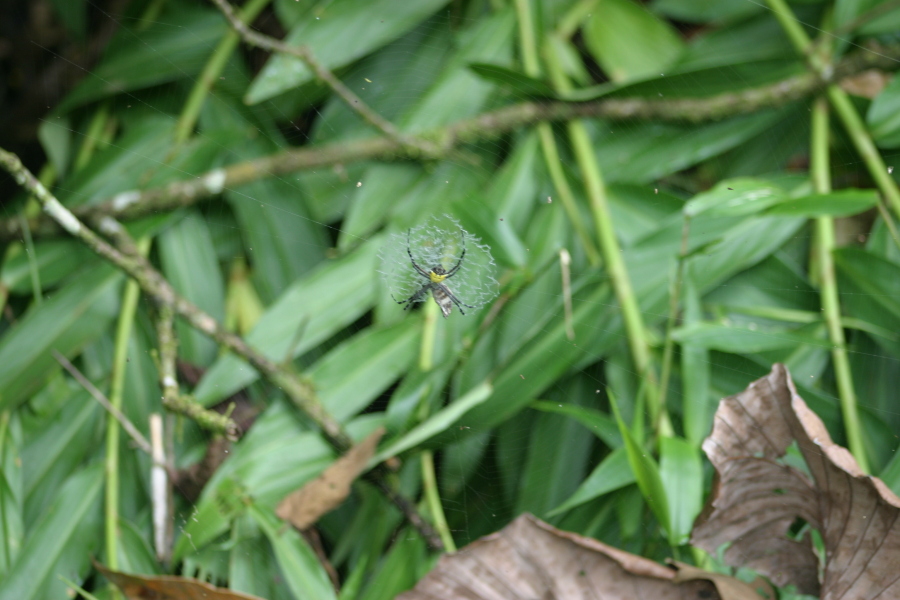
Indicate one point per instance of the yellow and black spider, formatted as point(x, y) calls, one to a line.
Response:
point(442, 295)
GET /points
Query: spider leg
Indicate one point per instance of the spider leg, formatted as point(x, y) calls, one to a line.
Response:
point(417, 297)
point(453, 271)
point(421, 271)
point(459, 304)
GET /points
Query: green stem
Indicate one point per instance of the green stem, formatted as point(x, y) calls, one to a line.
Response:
point(839, 99)
point(825, 244)
point(120, 359)
point(855, 127)
point(429, 480)
point(564, 191)
point(433, 498)
point(429, 335)
point(211, 72)
point(791, 26)
point(675, 296)
point(612, 258)
point(531, 63)
point(93, 136)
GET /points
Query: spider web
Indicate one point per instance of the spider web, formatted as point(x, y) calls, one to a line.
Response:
point(439, 242)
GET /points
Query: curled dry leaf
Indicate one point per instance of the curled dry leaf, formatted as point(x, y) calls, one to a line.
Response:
point(758, 497)
point(529, 559)
point(168, 587)
point(305, 506)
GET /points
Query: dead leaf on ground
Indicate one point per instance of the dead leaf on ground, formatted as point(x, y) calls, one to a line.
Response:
point(168, 587)
point(530, 559)
point(757, 498)
point(303, 507)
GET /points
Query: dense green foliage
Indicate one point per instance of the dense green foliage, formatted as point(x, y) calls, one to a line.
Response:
point(523, 405)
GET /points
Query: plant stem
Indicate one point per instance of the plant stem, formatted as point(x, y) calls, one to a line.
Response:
point(211, 72)
point(429, 480)
point(612, 258)
point(674, 298)
point(154, 285)
point(821, 177)
point(120, 358)
point(337, 86)
point(855, 127)
point(839, 99)
point(130, 204)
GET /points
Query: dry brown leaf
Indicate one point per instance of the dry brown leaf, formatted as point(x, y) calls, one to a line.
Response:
point(529, 559)
point(729, 588)
point(867, 84)
point(168, 587)
point(757, 498)
point(303, 507)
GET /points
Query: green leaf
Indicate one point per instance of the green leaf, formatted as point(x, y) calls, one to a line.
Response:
point(57, 446)
point(55, 135)
point(702, 11)
point(435, 424)
point(300, 566)
point(516, 81)
point(165, 53)
point(406, 562)
point(642, 152)
point(211, 519)
point(613, 473)
point(53, 534)
point(682, 479)
point(458, 92)
point(695, 80)
point(342, 31)
point(697, 407)
point(883, 116)
point(66, 322)
point(310, 311)
point(372, 203)
point(599, 423)
point(12, 525)
point(842, 203)
point(646, 472)
point(629, 41)
point(352, 375)
point(189, 262)
point(559, 451)
point(55, 260)
point(735, 197)
point(749, 338)
point(877, 277)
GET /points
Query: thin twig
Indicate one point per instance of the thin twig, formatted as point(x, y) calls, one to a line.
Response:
point(337, 86)
point(156, 287)
point(129, 428)
point(172, 398)
point(132, 204)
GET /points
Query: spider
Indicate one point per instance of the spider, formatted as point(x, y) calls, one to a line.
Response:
point(442, 295)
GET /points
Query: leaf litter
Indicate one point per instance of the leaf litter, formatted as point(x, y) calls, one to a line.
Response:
point(758, 497)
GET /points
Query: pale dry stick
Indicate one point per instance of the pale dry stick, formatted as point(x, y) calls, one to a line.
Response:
point(156, 287)
point(355, 103)
point(127, 425)
point(159, 492)
point(132, 204)
point(565, 262)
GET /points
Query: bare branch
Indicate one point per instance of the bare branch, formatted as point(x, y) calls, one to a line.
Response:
point(136, 203)
point(156, 287)
point(355, 103)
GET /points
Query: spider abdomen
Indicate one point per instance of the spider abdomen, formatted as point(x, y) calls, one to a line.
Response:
point(441, 296)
